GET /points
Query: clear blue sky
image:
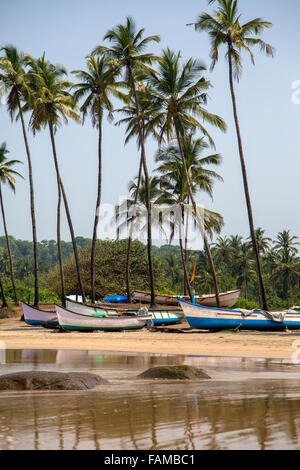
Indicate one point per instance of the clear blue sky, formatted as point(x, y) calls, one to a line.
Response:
point(67, 30)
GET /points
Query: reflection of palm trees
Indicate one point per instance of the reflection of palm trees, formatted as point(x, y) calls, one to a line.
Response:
point(153, 422)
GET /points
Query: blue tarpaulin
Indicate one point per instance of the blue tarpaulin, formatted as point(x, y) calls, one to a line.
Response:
point(116, 299)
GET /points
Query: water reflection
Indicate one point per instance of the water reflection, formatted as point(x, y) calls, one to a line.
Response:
point(231, 411)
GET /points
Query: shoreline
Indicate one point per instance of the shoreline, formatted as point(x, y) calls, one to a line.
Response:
point(175, 339)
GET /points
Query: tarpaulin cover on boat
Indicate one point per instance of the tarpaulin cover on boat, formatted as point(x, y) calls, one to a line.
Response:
point(115, 299)
point(274, 316)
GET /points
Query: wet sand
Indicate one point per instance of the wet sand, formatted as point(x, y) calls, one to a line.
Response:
point(176, 339)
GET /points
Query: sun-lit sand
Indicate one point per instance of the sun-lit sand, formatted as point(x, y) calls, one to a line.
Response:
point(176, 339)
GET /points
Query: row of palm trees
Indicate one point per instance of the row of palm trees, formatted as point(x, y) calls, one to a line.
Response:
point(279, 257)
point(163, 97)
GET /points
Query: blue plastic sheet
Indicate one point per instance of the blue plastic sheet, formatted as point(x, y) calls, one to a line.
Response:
point(115, 299)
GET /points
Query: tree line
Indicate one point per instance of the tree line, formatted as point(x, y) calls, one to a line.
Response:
point(233, 255)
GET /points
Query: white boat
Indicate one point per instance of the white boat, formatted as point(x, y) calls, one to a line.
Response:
point(36, 316)
point(227, 299)
point(79, 307)
point(160, 316)
point(209, 318)
point(100, 321)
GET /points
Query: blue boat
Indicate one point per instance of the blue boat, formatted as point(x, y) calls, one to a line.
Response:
point(209, 318)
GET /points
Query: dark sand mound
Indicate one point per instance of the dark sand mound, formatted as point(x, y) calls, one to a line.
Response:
point(39, 380)
point(174, 372)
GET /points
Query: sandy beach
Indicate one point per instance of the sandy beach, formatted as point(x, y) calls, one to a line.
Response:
point(176, 339)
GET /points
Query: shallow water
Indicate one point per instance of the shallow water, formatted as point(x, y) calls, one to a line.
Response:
point(247, 404)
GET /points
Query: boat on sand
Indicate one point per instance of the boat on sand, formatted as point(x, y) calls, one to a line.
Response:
point(160, 316)
point(209, 318)
point(36, 316)
point(227, 299)
point(100, 321)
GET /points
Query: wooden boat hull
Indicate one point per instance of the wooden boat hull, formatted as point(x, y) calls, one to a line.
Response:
point(78, 307)
point(76, 321)
point(35, 316)
point(227, 299)
point(208, 318)
point(165, 316)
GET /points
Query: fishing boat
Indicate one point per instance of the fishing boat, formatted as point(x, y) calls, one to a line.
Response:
point(210, 318)
point(227, 299)
point(79, 307)
point(100, 321)
point(160, 316)
point(36, 316)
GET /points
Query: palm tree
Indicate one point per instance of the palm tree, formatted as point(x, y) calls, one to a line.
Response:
point(127, 52)
point(286, 267)
point(263, 243)
point(180, 94)
point(96, 86)
point(53, 101)
point(245, 267)
point(138, 201)
point(14, 81)
point(224, 251)
point(174, 186)
point(174, 268)
point(132, 120)
point(286, 245)
point(7, 176)
point(224, 28)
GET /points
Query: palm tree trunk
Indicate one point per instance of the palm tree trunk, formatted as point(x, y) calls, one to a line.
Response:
point(4, 301)
point(186, 240)
point(67, 212)
point(12, 274)
point(206, 244)
point(286, 288)
point(186, 277)
point(130, 234)
point(149, 229)
point(143, 157)
point(245, 180)
point(97, 214)
point(32, 208)
point(60, 259)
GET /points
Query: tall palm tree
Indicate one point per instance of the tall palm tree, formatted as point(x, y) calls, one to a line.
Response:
point(7, 176)
point(127, 52)
point(225, 28)
point(179, 91)
point(138, 200)
point(132, 120)
point(4, 300)
point(174, 186)
point(96, 85)
point(52, 101)
point(14, 81)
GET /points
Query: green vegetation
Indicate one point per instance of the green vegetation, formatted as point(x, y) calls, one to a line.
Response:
point(233, 256)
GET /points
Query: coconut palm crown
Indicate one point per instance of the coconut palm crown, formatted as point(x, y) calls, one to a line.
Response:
point(225, 28)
